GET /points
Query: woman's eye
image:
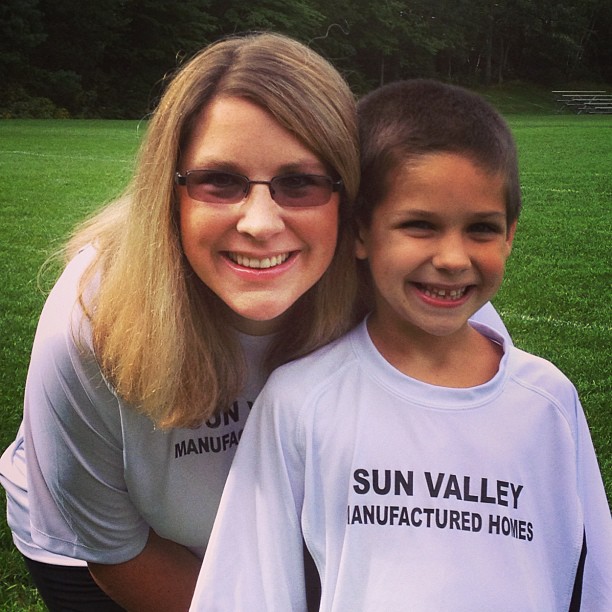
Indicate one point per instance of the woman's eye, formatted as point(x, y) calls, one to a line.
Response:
point(295, 181)
point(221, 179)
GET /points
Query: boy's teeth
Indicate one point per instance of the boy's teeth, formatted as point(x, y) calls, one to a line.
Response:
point(445, 294)
point(251, 262)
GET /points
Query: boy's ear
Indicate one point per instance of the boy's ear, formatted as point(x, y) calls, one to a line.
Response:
point(361, 251)
point(510, 236)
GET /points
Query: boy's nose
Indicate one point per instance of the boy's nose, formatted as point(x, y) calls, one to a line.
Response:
point(260, 216)
point(452, 255)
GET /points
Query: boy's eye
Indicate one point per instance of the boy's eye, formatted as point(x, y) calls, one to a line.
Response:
point(486, 228)
point(415, 224)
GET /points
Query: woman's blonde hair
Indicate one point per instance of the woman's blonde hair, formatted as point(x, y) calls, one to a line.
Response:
point(160, 335)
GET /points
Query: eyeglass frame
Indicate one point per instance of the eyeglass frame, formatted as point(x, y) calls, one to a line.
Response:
point(182, 180)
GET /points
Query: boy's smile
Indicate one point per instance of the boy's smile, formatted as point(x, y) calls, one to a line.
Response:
point(443, 296)
point(437, 245)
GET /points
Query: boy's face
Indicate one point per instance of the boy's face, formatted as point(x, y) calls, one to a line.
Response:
point(437, 245)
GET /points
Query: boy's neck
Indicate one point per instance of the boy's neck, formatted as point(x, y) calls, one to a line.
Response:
point(460, 360)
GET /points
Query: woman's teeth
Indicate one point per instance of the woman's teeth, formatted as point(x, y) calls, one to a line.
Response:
point(252, 262)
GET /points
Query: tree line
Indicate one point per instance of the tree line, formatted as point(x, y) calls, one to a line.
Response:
point(108, 58)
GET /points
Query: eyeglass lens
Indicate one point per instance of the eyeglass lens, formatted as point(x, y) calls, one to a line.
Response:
point(291, 190)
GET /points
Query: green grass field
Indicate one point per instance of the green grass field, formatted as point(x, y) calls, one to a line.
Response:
point(555, 300)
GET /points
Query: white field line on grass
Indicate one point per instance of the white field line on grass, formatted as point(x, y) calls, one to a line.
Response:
point(548, 320)
point(65, 156)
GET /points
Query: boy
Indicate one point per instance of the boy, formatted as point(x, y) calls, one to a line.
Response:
point(426, 464)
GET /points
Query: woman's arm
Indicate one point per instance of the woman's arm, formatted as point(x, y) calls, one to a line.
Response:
point(161, 577)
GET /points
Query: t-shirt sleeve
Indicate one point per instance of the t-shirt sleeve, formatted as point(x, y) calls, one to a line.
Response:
point(597, 578)
point(255, 551)
point(79, 503)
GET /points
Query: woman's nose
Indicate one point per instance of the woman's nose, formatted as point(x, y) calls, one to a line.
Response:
point(260, 216)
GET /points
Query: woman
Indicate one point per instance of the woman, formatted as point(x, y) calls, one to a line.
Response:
point(228, 255)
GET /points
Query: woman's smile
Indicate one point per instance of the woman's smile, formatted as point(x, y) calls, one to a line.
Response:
point(250, 261)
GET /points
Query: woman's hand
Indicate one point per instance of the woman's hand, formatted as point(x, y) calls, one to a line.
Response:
point(162, 577)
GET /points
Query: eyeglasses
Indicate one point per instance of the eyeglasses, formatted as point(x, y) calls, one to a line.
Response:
point(289, 190)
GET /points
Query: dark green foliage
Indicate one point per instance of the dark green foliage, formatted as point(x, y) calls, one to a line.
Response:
point(109, 58)
point(21, 31)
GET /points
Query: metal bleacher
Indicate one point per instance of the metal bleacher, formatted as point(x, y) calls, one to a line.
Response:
point(589, 101)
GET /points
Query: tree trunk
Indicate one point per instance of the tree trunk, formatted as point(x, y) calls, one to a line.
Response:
point(489, 51)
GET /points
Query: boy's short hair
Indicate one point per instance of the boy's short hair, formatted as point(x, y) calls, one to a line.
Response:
point(405, 120)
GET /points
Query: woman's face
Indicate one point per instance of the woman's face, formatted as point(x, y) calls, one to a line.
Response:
point(257, 256)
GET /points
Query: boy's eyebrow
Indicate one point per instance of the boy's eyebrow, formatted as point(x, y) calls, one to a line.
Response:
point(493, 214)
point(490, 214)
